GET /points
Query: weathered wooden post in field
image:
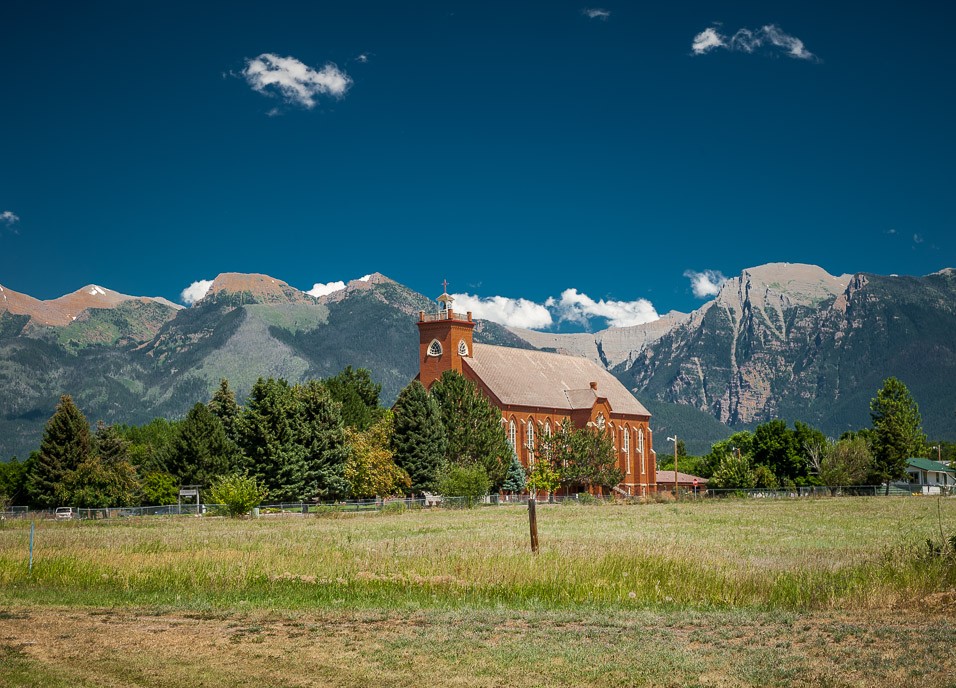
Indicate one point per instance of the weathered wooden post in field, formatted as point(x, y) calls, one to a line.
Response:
point(33, 525)
point(533, 523)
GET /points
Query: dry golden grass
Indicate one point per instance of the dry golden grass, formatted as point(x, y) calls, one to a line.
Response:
point(836, 592)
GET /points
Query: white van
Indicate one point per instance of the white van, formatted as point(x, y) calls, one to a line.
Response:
point(64, 513)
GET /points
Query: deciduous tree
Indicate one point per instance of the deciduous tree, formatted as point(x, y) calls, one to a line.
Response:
point(371, 469)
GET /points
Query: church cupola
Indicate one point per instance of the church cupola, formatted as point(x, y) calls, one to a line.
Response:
point(444, 339)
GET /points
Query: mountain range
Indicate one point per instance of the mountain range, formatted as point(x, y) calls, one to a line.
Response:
point(780, 340)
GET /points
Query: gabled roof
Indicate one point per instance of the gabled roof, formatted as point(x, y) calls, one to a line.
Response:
point(520, 377)
point(665, 477)
point(930, 465)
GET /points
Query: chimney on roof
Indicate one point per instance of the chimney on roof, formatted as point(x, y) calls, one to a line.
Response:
point(594, 386)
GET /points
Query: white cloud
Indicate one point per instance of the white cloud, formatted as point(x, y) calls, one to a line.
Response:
point(319, 289)
point(295, 81)
point(363, 58)
point(9, 218)
point(580, 308)
point(195, 291)
point(596, 13)
point(918, 239)
point(748, 41)
point(706, 283)
point(505, 311)
point(707, 40)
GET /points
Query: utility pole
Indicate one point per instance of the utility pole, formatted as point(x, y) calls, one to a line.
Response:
point(674, 440)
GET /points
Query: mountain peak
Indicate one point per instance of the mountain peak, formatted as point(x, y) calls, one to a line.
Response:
point(253, 288)
point(65, 309)
point(783, 284)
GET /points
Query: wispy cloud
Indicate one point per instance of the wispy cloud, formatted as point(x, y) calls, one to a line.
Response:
point(362, 57)
point(319, 289)
point(295, 82)
point(596, 13)
point(918, 239)
point(706, 283)
point(195, 291)
point(505, 311)
point(767, 38)
point(9, 220)
point(707, 40)
point(576, 307)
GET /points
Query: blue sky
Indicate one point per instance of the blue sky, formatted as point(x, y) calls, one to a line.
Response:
point(519, 150)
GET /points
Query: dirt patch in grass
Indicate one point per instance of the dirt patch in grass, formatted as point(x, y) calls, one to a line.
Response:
point(128, 647)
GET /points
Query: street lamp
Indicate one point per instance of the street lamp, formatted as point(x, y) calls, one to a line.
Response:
point(674, 440)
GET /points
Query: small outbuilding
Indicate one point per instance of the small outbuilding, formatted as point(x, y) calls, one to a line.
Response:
point(932, 477)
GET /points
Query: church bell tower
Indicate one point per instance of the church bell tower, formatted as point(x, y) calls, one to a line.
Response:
point(444, 339)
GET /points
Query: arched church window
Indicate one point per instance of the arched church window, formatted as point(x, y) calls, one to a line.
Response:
point(600, 421)
point(512, 436)
point(627, 449)
point(462, 348)
point(640, 448)
point(530, 441)
point(434, 349)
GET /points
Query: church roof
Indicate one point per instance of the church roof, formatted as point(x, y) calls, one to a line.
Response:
point(521, 377)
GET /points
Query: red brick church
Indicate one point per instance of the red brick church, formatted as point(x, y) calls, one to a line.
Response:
point(537, 390)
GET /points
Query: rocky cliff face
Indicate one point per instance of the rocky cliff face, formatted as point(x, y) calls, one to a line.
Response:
point(795, 342)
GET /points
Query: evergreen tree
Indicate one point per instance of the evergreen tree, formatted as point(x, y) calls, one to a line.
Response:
point(200, 450)
point(516, 479)
point(473, 429)
point(357, 394)
point(897, 431)
point(66, 444)
point(111, 446)
point(418, 442)
point(224, 407)
point(269, 433)
point(324, 441)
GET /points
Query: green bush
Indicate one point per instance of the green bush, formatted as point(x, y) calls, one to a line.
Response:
point(238, 494)
point(471, 482)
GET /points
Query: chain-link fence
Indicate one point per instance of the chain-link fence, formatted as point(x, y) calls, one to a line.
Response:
point(293, 509)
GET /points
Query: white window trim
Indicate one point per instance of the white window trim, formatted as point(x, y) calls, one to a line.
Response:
point(431, 348)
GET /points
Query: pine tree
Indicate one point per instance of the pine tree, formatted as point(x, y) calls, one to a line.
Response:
point(473, 427)
point(223, 405)
point(111, 446)
point(269, 433)
point(516, 479)
point(324, 440)
point(418, 442)
point(357, 394)
point(66, 444)
point(897, 431)
point(200, 450)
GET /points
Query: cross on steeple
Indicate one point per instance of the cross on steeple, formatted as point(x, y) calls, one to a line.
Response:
point(444, 285)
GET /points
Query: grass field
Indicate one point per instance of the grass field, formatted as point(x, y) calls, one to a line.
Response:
point(750, 592)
